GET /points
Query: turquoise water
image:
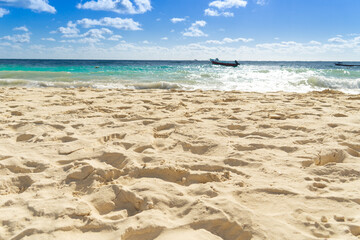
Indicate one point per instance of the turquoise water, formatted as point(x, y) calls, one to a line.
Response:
point(188, 75)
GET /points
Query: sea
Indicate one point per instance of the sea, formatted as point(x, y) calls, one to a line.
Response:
point(250, 76)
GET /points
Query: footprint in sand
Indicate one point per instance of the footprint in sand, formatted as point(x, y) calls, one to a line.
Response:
point(115, 159)
point(198, 148)
point(21, 165)
point(24, 137)
point(355, 230)
point(330, 156)
point(112, 198)
point(15, 185)
point(224, 229)
point(112, 137)
point(316, 185)
point(79, 173)
point(219, 229)
point(319, 227)
point(236, 162)
point(176, 175)
point(164, 131)
point(16, 113)
point(340, 115)
point(67, 139)
point(149, 233)
point(57, 126)
point(141, 149)
point(353, 149)
point(236, 127)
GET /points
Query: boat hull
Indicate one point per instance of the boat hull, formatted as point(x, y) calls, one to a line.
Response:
point(223, 63)
point(347, 65)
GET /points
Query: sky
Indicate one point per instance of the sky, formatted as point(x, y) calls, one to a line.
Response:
point(292, 30)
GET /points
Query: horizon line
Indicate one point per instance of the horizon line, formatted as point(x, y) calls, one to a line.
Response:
point(173, 60)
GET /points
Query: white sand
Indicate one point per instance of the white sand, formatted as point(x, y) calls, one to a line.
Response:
point(144, 165)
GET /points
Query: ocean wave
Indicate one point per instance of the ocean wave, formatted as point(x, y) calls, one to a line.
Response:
point(33, 83)
point(64, 84)
point(13, 82)
point(334, 83)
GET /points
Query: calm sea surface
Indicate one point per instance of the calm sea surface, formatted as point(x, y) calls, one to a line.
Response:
point(188, 75)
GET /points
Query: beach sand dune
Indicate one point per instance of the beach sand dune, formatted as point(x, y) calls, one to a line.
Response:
point(155, 165)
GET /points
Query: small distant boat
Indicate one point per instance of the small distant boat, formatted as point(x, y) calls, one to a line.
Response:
point(346, 65)
point(224, 63)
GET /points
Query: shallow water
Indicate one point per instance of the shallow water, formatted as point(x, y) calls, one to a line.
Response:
point(189, 75)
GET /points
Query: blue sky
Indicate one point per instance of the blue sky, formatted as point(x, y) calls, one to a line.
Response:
point(181, 29)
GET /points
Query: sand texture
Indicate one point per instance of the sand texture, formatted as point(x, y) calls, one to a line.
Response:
point(158, 165)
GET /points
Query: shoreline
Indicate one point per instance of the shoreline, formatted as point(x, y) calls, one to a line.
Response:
point(90, 88)
point(164, 164)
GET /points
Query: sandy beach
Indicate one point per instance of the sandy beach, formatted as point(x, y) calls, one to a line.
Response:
point(156, 164)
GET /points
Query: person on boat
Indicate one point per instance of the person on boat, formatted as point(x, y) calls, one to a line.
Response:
point(237, 62)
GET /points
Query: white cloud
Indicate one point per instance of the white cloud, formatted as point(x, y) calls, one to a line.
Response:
point(13, 46)
point(118, 6)
point(3, 12)
point(214, 42)
point(211, 12)
point(194, 30)
point(230, 40)
point(245, 40)
point(82, 40)
point(215, 13)
point(227, 14)
point(22, 28)
point(165, 38)
point(93, 36)
point(18, 38)
point(115, 38)
point(119, 23)
point(176, 20)
point(261, 2)
point(35, 5)
point(70, 31)
point(282, 45)
point(38, 47)
point(6, 44)
point(224, 4)
point(337, 40)
point(314, 42)
point(97, 33)
point(279, 51)
point(48, 39)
